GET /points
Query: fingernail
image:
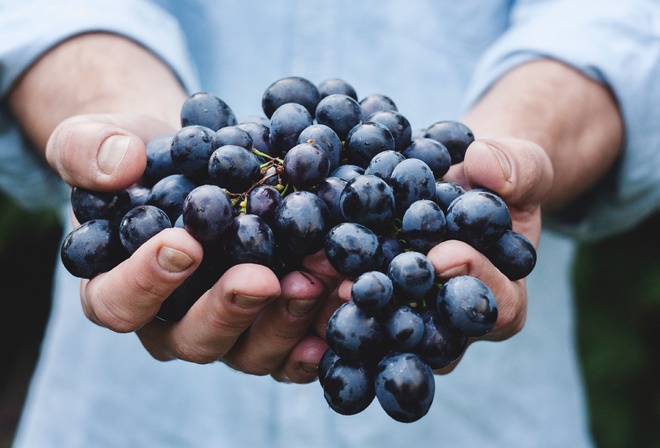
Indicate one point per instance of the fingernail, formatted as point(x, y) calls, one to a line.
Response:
point(502, 160)
point(248, 302)
point(300, 308)
point(173, 260)
point(112, 152)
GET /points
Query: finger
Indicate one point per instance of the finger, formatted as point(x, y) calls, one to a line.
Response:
point(453, 258)
point(301, 366)
point(214, 323)
point(278, 329)
point(102, 152)
point(129, 296)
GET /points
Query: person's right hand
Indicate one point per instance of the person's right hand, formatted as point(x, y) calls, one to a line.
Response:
point(107, 152)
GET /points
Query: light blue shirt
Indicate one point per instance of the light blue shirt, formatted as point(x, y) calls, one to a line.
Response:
point(95, 388)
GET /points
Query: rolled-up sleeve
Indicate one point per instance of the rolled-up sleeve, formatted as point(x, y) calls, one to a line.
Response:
point(29, 28)
point(618, 44)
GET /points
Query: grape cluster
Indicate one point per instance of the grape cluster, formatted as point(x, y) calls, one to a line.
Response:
point(321, 170)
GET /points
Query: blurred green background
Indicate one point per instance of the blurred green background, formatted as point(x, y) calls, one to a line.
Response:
point(618, 308)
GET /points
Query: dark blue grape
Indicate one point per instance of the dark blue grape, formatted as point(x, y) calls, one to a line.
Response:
point(207, 212)
point(423, 225)
point(391, 247)
point(412, 180)
point(368, 200)
point(376, 102)
point(328, 359)
point(301, 223)
point(138, 195)
point(405, 328)
point(88, 204)
point(365, 141)
point(169, 193)
point(513, 254)
point(140, 224)
point(405, 386)
point(260, 135)
point(454, 135)
point(92, 248)
point(347, 172)
point(232, 135)
point(262, 201)
point(327, 139)
point(330, 190)
point(336, 85)
point(446, 192)
point(397, 124)
point(352, 249)
point(354, 334)
point(234, 168)
point(306, 165)
point(412, 275)
point(339, 112)
point(441, 344)
point(286, 124)
point(248, 239)
point(432, 152)
point(349, 387)
point(292, 89)
point(191, 150)
point(478, 217)
point(372, 291)
point(206, 109)
point(384, 163)
point(468, 305)
point(159, 160)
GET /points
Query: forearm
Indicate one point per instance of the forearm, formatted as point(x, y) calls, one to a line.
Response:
point(573, 118)
point(94, 73)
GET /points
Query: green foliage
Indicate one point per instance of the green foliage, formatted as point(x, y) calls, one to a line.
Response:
point(618, 303)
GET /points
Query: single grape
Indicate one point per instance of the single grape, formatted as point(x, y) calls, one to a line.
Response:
point(365, 141)
point(441, 343)
point(423, 225)
point(88, 204)
point(301, 223)
point(232, 135)
point(138, 195)
point(191, 150)
point(383, 164)
point(367, 200)
point(454, 135)
point(372, 291)
point(206, 109)
point(207, 212)
point(336, 85)
point(234, 168)
point(262, 201)
point(412, 275)
point(347, 171)
point(478, 217)
point(286, 124)
point(432, 152)
point(349, 387)
point(412, 180)
point(248, 239)
point(468, 305)
point(330, 190)
point(353, 249)
point(404, 386)
point(328, 359)
point(260, 135)
point(306, 165)
point(169, 193)
point(159, 160)
point(376, 102)
point(339, 112)
point(513, 254)
point(140, 224)
point(446, 192)
point(292, 89)
point(397, 124)
point(327, 139)
point(92, 248)
point(390, 247)
point(354, 334)
point(405, 328)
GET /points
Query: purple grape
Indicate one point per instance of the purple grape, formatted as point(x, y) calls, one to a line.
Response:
point(306, 165)
point(301, 223)
point(207, 212)
point(169, 194)
point(234, 168)
point(191, 150)
point(140, 224)
point(262, 201)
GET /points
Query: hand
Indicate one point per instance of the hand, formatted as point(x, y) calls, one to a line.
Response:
point(248, 319)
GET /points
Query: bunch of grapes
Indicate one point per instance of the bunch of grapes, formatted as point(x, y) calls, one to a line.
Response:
point(320, 170)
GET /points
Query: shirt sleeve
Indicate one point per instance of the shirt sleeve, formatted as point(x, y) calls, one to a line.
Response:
point(616, 43)
point(32, 27)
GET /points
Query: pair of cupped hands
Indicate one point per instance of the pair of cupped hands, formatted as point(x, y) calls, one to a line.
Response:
point(250, 319)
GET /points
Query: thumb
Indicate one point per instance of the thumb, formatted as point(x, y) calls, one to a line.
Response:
point(102, 152)
point(519, 171)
